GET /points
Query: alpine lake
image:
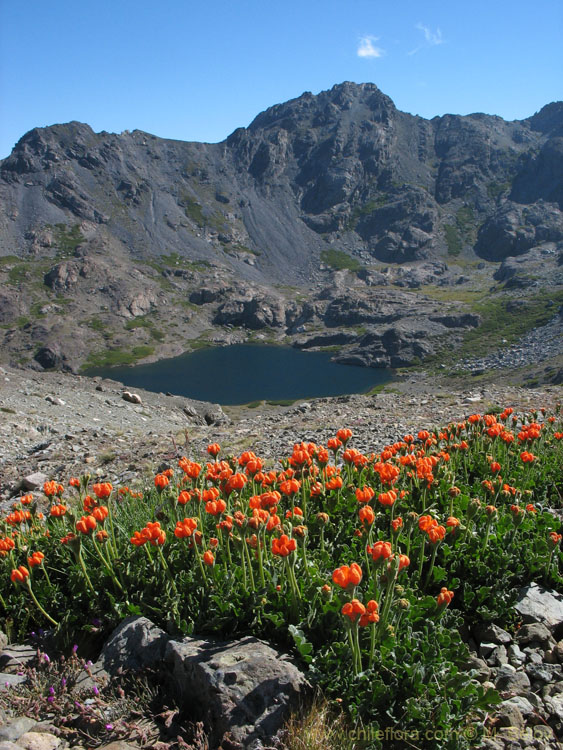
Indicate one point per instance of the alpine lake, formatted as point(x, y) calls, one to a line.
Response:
point(246, 373)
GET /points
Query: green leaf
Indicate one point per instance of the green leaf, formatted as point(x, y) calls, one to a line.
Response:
point(301, 643)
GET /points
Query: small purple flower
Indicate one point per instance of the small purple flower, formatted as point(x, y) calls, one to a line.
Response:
point(51, 699)
point(47, 660)
point(78, 705)
point(51, 690)
point(109, 727)
point(6, 684)
point(95, 690)
point(63, 681)
point(88, 665)
point(75, 648)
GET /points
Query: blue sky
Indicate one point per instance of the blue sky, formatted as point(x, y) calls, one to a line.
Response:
point(198, 70)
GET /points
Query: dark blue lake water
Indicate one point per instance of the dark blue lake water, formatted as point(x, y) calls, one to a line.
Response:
point(242, 373)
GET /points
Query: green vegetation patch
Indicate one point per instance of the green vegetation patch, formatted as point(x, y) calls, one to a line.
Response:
point(115, 357)
point(367, 209)
point(500, 322)
point(144, 322)
point(67, 238)
point(453, 239)
point(339, 260)
point(494, 189)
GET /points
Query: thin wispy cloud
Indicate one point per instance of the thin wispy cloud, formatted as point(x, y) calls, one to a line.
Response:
point(431, 38)
point(367, 47)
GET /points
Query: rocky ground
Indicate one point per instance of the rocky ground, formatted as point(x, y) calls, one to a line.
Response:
point(57, 425)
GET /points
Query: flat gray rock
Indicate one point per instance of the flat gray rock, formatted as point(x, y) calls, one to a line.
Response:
point(536, 604)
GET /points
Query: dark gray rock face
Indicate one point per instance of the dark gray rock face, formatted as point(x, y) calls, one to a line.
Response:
point(344, 161)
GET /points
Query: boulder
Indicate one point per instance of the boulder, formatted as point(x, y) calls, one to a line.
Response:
point(537, 604)
point(243, 689)
point(135, 644)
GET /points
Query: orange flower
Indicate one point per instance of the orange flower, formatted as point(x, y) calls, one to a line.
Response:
point(161, 481)
point(387, 498)
point(6, 545)
point(74, 482)
point(344, 434)
point(53, 488)
point(495, 467)
point(208, 558)
point(334, 483)
point(89, 504)
point(283, 546)
point(185, 528)
point(101, 513)
point(436, 534)
point(35, 559)
point(365, 494)
point(404, 562)
point(154, 534)
point(397, 524)
point(334, 444)
point(527, 457)
point(102, 490)
point(366, 515)
point(214, 449)
point(426, 522)
point(530, 508)
point(353, 609)
point(184, 497)
point(554, 538)
point(347, 576)
point(380, 551)
point(370, 614)
point(138, 539)
point(444, 597)
point(215, 507)
point(290, 487)
point(86, 524)
point(102, 536)
point(58, 510)
point(26, 499)
point(452, 522)
point(235, 482)
point(19, 574)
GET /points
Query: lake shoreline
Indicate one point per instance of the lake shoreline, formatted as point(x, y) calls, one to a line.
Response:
point(242, 373)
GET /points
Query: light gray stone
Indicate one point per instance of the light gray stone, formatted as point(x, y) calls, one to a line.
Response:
point(518, 682)
point(39, 741)
point(515, 655)
point(533, 632)
point(14, 729)
point(543, 672)
point(509, 714)
point(554, 704)
point(537, 604)
point(14, 658)
point(492, 633)
point(34, 481)
point(8, 680)
point(522, 704)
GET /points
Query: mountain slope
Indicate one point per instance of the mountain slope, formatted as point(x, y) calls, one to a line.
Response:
point(120, 233)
